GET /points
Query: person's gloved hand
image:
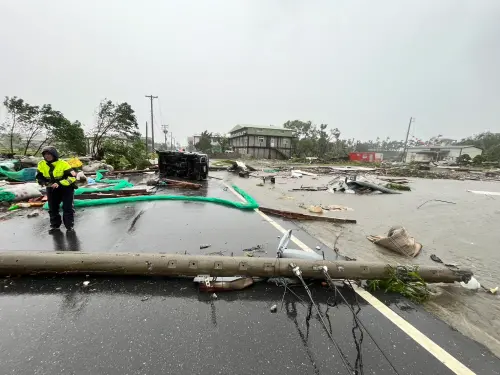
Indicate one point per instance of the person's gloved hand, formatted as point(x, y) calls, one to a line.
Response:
point(54, 185)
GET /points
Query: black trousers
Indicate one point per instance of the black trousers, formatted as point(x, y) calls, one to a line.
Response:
point(57, 196)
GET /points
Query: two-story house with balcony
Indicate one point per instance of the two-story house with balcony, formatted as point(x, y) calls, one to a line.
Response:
point(262, 142)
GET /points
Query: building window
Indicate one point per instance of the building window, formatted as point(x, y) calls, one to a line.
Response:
point(261, 139)
point(285, 142)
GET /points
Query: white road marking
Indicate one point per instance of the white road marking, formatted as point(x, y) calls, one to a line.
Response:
point(294, 239)
point(439, 353)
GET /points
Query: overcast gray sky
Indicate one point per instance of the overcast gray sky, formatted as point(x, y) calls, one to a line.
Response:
point(362, 66)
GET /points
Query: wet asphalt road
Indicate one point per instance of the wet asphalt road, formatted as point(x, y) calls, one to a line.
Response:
point(171, 227)
point(152, 326)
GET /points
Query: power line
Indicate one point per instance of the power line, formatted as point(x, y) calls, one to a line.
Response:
point(159, 109)
point(355, 316)
point(298, 273)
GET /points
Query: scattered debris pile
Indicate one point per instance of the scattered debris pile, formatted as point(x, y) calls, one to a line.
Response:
point(440, 172)
point(360, 185)
point(241, 168)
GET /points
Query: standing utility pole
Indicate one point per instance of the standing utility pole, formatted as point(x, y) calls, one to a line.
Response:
point(151, 97)
point(147, 147)
point(406, 140)
point(165, 132)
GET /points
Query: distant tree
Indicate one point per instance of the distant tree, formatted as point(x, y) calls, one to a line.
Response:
point(302, 129)
point(35, 123)
point(323, 142)
point(116, 119)
point(478, 160)
point(223, 142)
point(488, 142)
point(483, 140)
point(362, 146)
point(51, 123)
point(205, 142)
point(71, 137)
point(125, 154)
point(464, 159)
point(335, 133)
point(190, 146)
point(306, 138)
point(493, 153)
point(18, 112)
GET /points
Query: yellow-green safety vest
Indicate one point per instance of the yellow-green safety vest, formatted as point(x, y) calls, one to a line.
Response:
point(60, 173)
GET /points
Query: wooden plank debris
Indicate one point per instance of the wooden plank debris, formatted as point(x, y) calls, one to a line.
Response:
point(299, 216)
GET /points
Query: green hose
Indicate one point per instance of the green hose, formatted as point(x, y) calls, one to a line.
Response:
point(250, 204)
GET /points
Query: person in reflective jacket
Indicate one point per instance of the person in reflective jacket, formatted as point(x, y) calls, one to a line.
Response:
point(59, 178)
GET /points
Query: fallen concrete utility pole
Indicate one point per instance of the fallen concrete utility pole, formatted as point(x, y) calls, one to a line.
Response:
point(298, 216)
point(144, 264)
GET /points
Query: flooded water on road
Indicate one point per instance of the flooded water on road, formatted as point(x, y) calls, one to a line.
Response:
point(465, 233)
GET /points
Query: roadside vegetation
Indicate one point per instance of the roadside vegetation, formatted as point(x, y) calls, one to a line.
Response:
point(114, 137)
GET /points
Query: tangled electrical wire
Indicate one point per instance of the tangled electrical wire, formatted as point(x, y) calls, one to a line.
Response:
point(357, 369)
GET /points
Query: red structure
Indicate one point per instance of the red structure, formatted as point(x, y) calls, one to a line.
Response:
point(366, 157)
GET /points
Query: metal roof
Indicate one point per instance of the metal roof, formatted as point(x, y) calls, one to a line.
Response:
point(268, 127)
point(442, 147)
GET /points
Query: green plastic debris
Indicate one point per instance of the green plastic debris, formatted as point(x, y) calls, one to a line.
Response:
point(117, 185)
point(99, 178)
point(271, 170)
point(120, 186)
point(250, 204)
point(6, 196)
point(24, 175)
point(9, 165)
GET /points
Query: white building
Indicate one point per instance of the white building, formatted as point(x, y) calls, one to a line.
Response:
point(438, 153)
